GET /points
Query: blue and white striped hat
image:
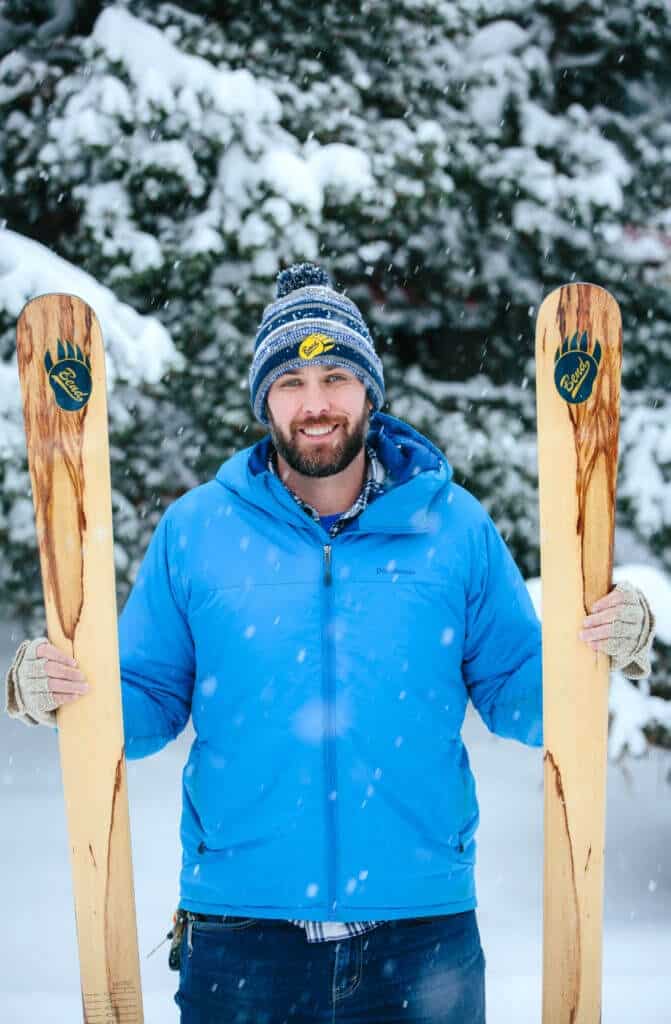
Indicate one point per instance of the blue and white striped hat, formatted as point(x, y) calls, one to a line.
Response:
point(311, 324)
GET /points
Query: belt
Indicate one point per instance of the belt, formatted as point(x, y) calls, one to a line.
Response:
point(216, 918)
point(221, 918)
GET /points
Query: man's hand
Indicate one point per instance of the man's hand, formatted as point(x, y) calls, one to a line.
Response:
point(622, 625)
point(40, 679)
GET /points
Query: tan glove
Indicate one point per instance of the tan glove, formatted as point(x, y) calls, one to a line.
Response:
point(38, 683)
point(622, 625)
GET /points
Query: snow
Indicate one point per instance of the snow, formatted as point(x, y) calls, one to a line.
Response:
point(106, 213)
point(161, 71)
point(633, 708)
point(344, 169)
point(539, 128)
point(90, 116)
point(646, 437)
point(170, 157)
point(291, 177)
point(40, 967)
point(137, 348)
point(498, 37)
point(14, 66)
point(11, 427)
point(486, 105)
point(255, 232)
point(602, 189)
point(530, 217)
point(163, 78)
point(204, 236)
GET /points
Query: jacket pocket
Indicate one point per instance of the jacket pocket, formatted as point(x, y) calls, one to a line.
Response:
point(247, 844)
point(464, 843)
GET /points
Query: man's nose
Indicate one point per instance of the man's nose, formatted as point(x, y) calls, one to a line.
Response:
point(315, 400)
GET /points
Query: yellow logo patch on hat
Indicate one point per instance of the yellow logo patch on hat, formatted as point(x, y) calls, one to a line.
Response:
point(315, 345)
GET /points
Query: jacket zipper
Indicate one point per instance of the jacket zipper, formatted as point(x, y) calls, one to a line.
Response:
point(329, 744)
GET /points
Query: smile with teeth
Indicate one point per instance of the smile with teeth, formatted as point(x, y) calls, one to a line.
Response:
point(318, 431)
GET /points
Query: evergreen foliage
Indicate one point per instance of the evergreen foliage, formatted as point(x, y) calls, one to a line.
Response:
point(449, 163)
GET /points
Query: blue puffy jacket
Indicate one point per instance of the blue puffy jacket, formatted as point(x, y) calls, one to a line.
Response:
point(328, 680)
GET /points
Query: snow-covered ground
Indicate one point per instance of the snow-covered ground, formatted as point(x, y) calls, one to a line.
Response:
point(38, 955)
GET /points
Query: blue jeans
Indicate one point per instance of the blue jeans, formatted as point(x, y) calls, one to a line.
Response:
point(257, 971)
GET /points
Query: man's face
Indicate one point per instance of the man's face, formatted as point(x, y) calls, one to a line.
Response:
point(313, 398)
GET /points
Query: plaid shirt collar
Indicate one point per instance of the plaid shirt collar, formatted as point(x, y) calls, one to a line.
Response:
point(376, 483)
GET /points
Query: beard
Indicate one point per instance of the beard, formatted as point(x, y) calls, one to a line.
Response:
point(319, 459)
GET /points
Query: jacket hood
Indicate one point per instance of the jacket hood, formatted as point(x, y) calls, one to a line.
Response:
point(417, 469)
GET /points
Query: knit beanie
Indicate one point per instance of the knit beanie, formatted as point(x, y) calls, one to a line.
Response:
point(311, 324)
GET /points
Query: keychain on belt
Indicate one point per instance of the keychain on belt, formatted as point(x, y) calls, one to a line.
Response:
point(179, 921)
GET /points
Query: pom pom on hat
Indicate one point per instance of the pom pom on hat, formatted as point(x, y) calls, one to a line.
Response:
point(311, 324)
point(300, 276)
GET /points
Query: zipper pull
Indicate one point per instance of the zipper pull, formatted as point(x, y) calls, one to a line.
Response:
point(328, 578)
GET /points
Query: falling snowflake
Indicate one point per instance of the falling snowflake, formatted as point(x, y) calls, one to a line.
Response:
point(208, 686)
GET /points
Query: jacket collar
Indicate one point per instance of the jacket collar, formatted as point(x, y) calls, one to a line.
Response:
point(417, 469)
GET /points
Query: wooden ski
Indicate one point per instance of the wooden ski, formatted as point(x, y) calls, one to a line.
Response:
point(62, 371)
point(578, 363)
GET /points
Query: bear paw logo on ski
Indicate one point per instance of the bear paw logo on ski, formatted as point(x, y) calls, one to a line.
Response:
point(315, 345)
point(576, 367)
point(69, 376)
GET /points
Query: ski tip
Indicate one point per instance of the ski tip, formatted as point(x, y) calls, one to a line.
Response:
point(48, 297)
point(573, 285)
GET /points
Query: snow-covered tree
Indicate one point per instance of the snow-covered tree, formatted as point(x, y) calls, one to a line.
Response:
point(449, 162)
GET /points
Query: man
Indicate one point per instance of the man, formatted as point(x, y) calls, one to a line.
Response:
point(324, 610)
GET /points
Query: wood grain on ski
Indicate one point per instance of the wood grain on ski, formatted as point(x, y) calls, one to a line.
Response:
point(62, 371)
point(578, 363)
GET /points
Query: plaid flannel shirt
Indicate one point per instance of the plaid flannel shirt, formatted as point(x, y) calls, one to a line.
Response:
point(374, 485)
